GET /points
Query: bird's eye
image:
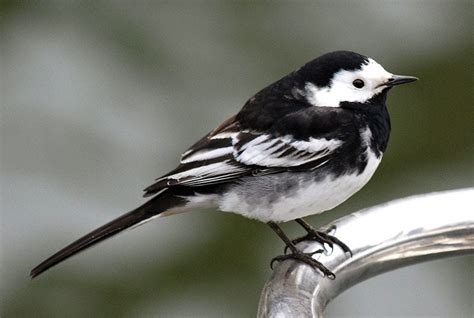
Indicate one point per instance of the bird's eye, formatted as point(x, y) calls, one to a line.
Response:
point(358, 83)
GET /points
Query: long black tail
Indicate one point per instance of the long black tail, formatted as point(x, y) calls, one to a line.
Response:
point(161, 203)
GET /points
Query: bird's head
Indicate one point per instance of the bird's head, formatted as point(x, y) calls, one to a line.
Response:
point(343, 78)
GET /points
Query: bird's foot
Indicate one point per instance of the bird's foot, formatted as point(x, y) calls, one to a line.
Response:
point(305, 258)
point(297, 254)
point(323, 238)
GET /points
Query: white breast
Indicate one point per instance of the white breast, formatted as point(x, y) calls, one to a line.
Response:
point(323, 195)
point(312, 197)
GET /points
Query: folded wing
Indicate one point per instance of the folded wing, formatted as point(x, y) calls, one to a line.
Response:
point(228, 152)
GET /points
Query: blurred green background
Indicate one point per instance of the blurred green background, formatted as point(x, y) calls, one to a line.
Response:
point(100, 97)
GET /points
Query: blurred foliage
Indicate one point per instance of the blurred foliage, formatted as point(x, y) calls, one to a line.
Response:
point(202, 60)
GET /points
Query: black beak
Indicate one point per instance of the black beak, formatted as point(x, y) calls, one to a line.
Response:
point(399, 79)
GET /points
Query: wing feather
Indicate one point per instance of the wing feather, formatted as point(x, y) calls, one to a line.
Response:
point(269, 151)
point(228, 152)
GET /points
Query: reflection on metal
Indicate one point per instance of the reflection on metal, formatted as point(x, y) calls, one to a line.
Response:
point(382, 238)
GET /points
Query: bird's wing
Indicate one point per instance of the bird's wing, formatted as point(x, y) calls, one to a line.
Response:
point(268, 151)
point(208, 161)
point(229, 152)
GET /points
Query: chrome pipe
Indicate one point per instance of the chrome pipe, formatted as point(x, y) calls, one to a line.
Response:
point(382, 238)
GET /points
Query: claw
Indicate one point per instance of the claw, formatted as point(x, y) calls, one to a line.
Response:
point(335, 240)
point(308, 259)
point(273, 261)
point(298, 254)
point(323, 238)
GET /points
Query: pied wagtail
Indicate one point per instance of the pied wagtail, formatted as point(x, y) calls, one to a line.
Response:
point(301, 146)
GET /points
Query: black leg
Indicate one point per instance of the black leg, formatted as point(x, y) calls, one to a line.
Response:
point(320, 237)
point(298, 254)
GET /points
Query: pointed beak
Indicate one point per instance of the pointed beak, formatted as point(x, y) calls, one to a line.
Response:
point(399, 79)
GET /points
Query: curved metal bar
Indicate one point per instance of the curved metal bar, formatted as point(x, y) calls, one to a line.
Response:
point(382, 238)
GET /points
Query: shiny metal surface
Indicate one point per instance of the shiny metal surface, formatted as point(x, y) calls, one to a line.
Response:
point(383, 238)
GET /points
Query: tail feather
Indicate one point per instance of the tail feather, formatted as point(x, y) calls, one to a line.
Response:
point(161, 203)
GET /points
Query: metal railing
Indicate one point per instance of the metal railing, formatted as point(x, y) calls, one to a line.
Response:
point(382, 238)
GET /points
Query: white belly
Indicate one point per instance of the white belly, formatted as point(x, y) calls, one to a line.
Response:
point(312, 197)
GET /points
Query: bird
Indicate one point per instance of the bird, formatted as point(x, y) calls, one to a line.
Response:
point(300, 146)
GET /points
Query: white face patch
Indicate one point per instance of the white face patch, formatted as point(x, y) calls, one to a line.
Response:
point(341, 88)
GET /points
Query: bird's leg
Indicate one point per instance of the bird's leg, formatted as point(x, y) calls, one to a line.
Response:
point(321, 237)
point(298, 254)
